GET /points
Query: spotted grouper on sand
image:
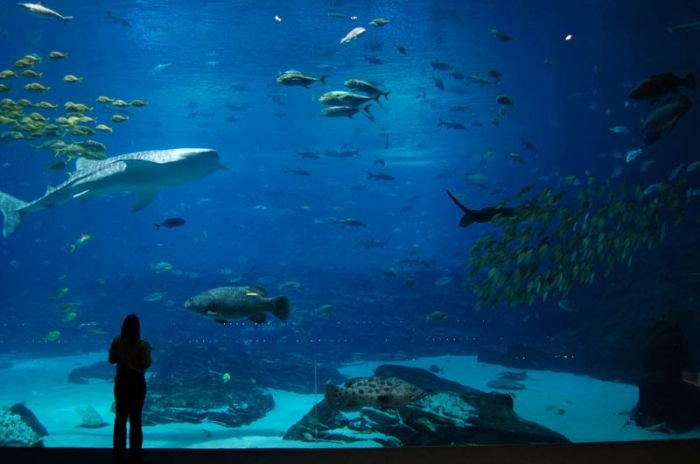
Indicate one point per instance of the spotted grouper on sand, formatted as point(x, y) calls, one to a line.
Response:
point(225, 304)
point(380, 392)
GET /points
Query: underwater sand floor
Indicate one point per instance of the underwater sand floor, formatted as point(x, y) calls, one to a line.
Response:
point(581, 408)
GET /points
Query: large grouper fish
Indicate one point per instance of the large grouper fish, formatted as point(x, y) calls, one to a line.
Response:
point(225, 304)
point(379, 392)
point(144, 173)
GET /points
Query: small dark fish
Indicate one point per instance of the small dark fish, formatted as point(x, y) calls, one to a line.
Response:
point(441, 66)
point(386, 139)
point(348, 222)
point(457, 75)
point(117, 19)
point(380, 176)
point(369, 244)
point(451, 124)
point(528, 145)
point(379, 162)
point(504, 100)
point(58, 166)
point(502, 36)
point(446, 174)
point(240, 87)
point(435, 369)
point(297, 172)
point(480, 80)
point(480, 215)
point(235, 108)
point(459, 108)
point(341, 154)
point(170, 223)
point(373, 59)
point(658, 85)
point(495, 73)
point(438, 83)
point(279, 99)
point(437, 316)
point(308, 154)
point(513, 375)
point(401, 49)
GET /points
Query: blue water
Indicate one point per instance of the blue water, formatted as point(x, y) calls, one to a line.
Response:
point(267, 226)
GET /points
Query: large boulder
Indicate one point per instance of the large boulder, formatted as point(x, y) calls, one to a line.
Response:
point(20, 427)
point(204, 396)
point(447, 414)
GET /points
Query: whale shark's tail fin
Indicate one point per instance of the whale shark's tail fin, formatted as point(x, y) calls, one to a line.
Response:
point(11, 209)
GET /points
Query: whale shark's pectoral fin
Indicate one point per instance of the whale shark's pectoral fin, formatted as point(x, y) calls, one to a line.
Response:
point(145, 199)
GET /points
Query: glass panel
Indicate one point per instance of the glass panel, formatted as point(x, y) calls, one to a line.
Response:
point(349, 223)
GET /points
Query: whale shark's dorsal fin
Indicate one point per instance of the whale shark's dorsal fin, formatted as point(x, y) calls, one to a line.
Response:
point(82, 164)
point(145, 198)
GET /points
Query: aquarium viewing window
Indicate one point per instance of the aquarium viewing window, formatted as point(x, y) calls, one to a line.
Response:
point(348, 229)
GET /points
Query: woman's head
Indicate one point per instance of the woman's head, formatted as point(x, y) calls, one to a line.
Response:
point(131, 328)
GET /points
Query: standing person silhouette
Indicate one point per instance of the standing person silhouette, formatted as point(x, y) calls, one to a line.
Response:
point(132, 357)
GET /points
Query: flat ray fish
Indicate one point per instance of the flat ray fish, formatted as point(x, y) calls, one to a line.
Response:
point(380, 392)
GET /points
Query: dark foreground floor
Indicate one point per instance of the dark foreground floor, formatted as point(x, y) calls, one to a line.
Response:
point(686, 451)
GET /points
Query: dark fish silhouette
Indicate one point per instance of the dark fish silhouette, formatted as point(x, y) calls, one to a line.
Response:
point(656, 86)
point(170, 223)
point(118, 19)
point(528, 145)
point(480, 215)
point(664, 118)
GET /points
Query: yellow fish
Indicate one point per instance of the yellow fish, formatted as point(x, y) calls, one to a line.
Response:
point(84, 238)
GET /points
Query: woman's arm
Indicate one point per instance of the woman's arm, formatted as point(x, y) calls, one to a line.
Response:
point(145, 354)
point(114, 351)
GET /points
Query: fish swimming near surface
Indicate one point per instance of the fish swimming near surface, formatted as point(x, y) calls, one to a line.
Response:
point(225, 304)
point(656, 86)
point(353, 34)
point(170, 223)
point(480, 215)
point(378, 392)
point(41, 9)
point(144, 173)
point(664, 118)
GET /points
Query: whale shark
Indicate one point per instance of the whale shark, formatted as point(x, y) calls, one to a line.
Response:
point(143, 173)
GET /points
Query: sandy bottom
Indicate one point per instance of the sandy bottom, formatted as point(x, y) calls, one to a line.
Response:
point(579, 407)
